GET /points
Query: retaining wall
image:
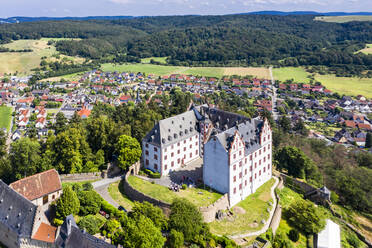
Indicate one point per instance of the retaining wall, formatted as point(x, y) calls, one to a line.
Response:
point(208, 213)
point(82, 176)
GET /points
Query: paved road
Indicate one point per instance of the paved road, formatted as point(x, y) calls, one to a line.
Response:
point(266, 226)
point(275, 111)
point(101, 187)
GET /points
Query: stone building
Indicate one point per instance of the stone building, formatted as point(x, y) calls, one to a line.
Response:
point(41, 189)
point(236, 150)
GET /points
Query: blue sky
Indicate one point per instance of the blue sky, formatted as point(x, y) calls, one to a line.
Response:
point(58, 8)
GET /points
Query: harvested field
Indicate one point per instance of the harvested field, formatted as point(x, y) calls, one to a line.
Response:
point(259, 72)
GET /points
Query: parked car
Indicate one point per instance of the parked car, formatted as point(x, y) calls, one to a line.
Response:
point(121, 208)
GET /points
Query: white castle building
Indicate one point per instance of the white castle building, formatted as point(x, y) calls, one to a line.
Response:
point(236, 150)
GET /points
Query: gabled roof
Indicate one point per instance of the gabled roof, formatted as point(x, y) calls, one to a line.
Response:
point(16, 212)
point(38, 185)
point(70, 236)
point(46, 233)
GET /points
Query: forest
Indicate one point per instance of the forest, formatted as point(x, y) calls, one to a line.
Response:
point(229, 40)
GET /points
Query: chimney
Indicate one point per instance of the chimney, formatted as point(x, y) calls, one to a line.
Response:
point(68, 227)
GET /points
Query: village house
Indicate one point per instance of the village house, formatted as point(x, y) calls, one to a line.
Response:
point(41, 189)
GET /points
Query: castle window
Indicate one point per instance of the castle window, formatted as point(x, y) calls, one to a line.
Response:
point(234, 179)
point(184, 149)
point(147, 152)
point(259, 162)
point(255, 175)
point(250, 179)
point(190, 155)
point(172, 164)
point(147, 145)
point(259, 152)
point(178, 152)
point(264, 139)
point(240, 175)
point(268, 167)
point(264, 159)
point(155, 166)
point(240, 153)
point(155, 149)
point(268, 136)
point(264, 149)
point(184, 141)
point(165, 157)
point(245, 160)
point(178, 161)
point(234, 167)
point(165, 149)
point(190, 146)
point(250, 168)
point(268, 147)
point(165, 167)
point(234, 190)
point(172, 154)
point(259, 173)
point(196, 143)
point(245, 171)
point(178, 144)
point(240, 164)
point(147, 162)
point(250, 157)
point(155, 156)
point(190, 138)
point(245, 182)
point(264, 169)
point(268, 156)
point(196, 152)
point(255, 165)
point(234, 156)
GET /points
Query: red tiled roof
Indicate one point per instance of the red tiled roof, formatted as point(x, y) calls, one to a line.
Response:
point(350, 124)
point(364, 126)
point(46, 233)
point(84, 112)
point(38, 185)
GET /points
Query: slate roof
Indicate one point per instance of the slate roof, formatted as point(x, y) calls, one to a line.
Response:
point(38, 185)
point(16, 212)
point(173, 129)
point(248, 130)
point(70, 236)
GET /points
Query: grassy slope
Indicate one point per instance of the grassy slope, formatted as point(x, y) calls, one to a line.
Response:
point(163, 193)
point(5, 117)
point(117, 193)
point(367, 49)
point(157, 59)
point(24, 62)
point(255, 207)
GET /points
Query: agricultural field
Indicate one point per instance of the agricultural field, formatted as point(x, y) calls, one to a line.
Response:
point(343, 85)
point(197, 196)
point(298, 74)
point(343, 19)
point(347, 85)
point(161, 70)
point(366, 50)
point(5, 117)
point(248, 213)
point(23, 62)
point(68, 77)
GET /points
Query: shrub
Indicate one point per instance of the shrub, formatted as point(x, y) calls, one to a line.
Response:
point(90, 202)
point(67, 204)
point(184, 186)
point(293, 235)
point(91, 224)
point(57, 222)
point(334, 197)
point(176, 239)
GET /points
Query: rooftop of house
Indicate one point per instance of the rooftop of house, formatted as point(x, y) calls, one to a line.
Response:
point(46, 233)
point(71, 236)
point(38, 185)
point(16, 212)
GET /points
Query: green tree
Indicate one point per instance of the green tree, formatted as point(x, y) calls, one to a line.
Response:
point(175, 239)
point(293, 235)
point(61, 123)
point(185, 218)
point(285, 123)
point(300, 128)
point(294, 161)
point(90, 202)
point(24, 157)
point(150, 211)
point(2, 143)
point(305, 216)
point(67, 204)
point(141, 233)
point(369, 140)
point(129, 151)
point(91, 224)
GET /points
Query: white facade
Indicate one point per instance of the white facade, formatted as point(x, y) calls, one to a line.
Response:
point(234, 171)
point(168, 158)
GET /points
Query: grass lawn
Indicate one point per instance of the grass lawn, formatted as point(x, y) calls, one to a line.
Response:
point(286, 73)
point(24, 62)
point(157, 59)
point(255, 207)
point(64, 184)
point(199, 197)
point(117, 193)
point(347, 85)
point(68, 77)
point(5, 117)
